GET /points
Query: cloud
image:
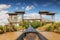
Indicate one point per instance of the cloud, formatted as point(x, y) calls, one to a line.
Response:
point(35, 4)
point(3, 17)
point(37, 16)
point(3, 14)
point(57, 19)
point(46, 4)
point(29, 7)
point(32, 16)
point(4, 6)
point(18, 3)
point(16, 8)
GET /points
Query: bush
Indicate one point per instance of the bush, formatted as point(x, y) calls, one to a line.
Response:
point(52, 27)
point(48, 27)
point(19, 27)
point(58, 30)
point(57, 26)
point(7, 29)
point(25, 24)
point(1, 29)
point(35, 24)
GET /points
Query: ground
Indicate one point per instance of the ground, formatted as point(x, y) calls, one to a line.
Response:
point(51, 35)
point(15, 35)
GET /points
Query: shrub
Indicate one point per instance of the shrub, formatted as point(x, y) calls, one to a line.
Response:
point(25, 24)
point(35, 24)
point(48, 27)
point(51, 28)
point(7, 29)
point(57, 27)
point(19, 27)
point(58, 30)
point(1, 29)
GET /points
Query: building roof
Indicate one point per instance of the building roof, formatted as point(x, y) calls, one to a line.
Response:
point(51, 14)
point(12, 14)
point(46, 13)
point(20, 12)
point(43, 12)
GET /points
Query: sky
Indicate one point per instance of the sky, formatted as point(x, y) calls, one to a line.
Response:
point(31, 7)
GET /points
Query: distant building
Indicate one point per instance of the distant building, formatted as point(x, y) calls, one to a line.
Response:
point(13, 17)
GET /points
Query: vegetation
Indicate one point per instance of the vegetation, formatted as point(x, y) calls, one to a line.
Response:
point(19, 27)
point(26, 24)
point(57, 27)
point(1, 29)
point(48, 27)
point(52, 27)
point(35, 24)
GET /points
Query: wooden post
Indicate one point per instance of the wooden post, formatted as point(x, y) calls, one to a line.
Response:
point(10, 21)
point(41, 20)
point(4, 28)
point(22, 18)
point(21, 13)
point(53, 19)
point(42, 13)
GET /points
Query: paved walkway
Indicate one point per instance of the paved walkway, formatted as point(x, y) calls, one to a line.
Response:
point(14, 35)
